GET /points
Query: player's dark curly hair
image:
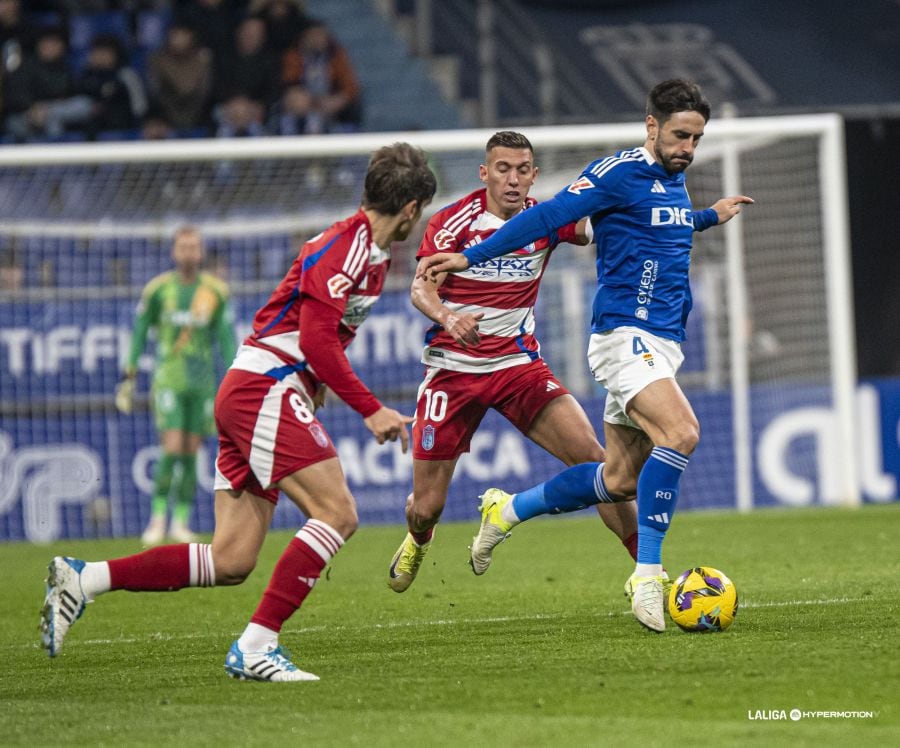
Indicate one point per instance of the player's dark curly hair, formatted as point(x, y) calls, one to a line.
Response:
point(676, 95)
point(397, 174)
point(508, 139)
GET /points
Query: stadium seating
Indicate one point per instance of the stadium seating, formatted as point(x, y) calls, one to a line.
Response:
point(394, 82)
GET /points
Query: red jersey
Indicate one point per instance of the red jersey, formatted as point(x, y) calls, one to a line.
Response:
point(342, 268)
point(505, 289)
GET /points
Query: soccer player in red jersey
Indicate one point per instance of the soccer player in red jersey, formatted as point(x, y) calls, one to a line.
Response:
point(481, 352)
point(269, 437)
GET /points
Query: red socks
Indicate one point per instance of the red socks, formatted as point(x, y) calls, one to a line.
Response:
point(422, 537)
point(296, 573)
point(173, 567)
point(631, 543)
point(166, 568)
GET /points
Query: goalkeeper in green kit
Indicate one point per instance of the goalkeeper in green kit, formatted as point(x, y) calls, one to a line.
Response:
point(189, 311)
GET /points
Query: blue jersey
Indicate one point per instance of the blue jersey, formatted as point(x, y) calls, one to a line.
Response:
point(643, 226)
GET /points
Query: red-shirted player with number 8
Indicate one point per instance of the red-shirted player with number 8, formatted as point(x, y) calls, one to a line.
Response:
point(481, 352)
point(269, 437)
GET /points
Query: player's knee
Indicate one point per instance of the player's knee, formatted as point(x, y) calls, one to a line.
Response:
point(621, 485)
point(424, 511)
point(621, 490)
point(345, 524)
point(342, 518)
point(232, 569)
point(686, 438)
point(351, 524)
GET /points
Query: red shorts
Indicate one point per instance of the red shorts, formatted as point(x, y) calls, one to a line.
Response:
point(452, 403)
point(266, 431)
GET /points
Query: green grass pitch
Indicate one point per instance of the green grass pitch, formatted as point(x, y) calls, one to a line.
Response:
point(540, 651)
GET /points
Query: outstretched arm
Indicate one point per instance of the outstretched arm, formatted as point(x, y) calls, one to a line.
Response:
point(540, 220)
point(722, 211)
point(728, 207)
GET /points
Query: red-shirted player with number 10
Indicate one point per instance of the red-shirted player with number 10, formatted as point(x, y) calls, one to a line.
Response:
point(481, 352)
point(269, 437)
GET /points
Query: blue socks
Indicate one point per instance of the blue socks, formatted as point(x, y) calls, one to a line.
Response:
point(582, 485)
point(574, 488)
point(657, 495)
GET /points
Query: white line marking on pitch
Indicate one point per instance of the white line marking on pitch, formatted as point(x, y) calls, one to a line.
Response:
point(159, 636)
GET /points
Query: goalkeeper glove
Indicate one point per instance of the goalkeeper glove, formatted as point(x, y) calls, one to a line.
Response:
point(125, 394)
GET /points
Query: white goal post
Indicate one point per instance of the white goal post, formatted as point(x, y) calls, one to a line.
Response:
point(772, 331)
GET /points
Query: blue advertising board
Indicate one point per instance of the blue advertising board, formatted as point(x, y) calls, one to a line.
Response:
point(71, 466)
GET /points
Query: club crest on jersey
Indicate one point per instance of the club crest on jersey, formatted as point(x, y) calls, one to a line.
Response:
point(582, 183)
point(318, 433)
point(428, 437)
point(338, 285)
point(444, 240)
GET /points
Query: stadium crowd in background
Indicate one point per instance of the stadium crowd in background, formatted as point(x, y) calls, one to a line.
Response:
point(154, 70)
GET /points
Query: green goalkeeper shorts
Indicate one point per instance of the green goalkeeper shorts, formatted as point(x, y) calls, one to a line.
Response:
point(190, 411)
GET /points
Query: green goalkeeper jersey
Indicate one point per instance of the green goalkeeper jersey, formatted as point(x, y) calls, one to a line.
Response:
point(188, 319)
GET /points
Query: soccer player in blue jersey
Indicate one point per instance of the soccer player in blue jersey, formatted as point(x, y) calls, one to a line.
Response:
point(643, 225)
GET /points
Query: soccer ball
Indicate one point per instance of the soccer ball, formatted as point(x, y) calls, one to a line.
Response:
point(703, 599)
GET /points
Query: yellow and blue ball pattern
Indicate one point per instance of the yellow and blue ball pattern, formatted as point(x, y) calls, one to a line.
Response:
point(703, 599)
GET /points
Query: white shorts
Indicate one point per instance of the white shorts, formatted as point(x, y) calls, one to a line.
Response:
point(626, 360)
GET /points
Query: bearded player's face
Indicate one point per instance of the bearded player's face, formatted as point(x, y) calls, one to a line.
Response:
point(187, 251)
point(675, 142)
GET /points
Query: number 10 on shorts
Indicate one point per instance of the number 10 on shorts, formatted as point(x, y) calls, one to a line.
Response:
point(435, 405)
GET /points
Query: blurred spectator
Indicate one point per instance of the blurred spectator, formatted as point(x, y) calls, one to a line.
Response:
point(181, 79)
point(318, 64)
point(251, 69)
point(239, 117)
point(116, 90)
point(156, 127)
point(39, 98)
point(285, 20)
point(12, 274)
point(295, 114)
point(213, 21)
point(15, 35)
point(15, 44)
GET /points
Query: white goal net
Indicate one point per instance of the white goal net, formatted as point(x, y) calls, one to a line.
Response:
point(769, 359)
